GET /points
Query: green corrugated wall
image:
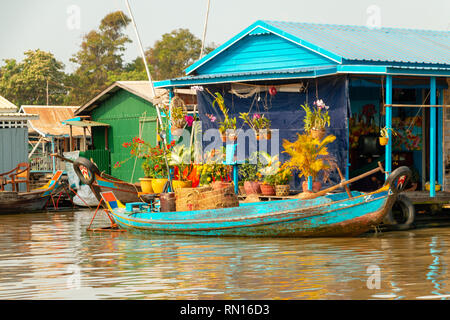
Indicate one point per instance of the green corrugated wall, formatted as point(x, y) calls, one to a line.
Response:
point(127, 115)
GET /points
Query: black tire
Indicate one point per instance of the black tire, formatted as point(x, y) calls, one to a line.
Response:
point(408, 214)
point(399, 179)
point(85, 170)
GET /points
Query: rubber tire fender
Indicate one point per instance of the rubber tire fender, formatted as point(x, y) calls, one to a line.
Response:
point(408, 211)
point(402, 175)
point(91, 170)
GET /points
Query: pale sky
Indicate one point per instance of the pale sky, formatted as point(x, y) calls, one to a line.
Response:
point(53, 25)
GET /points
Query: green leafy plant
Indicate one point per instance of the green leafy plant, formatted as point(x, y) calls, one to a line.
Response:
point(182, 158)
point(317, 117)
point(256, 122)
point(228, 123)
point(384, 132)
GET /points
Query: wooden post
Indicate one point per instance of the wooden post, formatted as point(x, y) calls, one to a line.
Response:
point(432, 137)
point(70, 138)
point(84, 139)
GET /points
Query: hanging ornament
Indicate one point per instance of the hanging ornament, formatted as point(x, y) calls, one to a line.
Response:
point(272, 91)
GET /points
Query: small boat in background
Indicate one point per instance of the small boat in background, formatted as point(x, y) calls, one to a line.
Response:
point(99, 182)
point(327, 215)
point(34, 200)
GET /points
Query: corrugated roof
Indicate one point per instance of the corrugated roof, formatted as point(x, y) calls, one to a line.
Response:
point(346, 44)
point(6, 106)
point(50, 118)
point(373, 44)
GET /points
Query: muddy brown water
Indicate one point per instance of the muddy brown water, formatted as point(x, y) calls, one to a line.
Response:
point(52, 256)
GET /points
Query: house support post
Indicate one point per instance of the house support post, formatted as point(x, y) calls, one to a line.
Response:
point(432, 137)
point(388, 155)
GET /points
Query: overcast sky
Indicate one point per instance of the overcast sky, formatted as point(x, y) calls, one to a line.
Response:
point(58, 25)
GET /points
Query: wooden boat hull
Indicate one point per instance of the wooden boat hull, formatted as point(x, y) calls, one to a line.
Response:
point(328, 216)
point(125, 192)
point(35, 200)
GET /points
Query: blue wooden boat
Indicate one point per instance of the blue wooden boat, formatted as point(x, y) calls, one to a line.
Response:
point(339, 214)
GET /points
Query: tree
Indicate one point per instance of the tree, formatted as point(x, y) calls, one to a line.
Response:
point(174, 53)
point(100, 54)
point(26, 82)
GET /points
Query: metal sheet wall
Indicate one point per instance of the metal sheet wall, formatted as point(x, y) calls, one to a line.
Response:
point(13, 149)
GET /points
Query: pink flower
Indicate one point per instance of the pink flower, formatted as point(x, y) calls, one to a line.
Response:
point(189, 120)
point(211, 117)
point(256, 116)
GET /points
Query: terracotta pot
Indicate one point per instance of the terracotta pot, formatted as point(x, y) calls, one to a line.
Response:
point(265, 135)
point(282, 190)
point(241, 190)
point(146, 185)
point(175, 131)
point(316, 186)
point(179, 184)
point(384, 141)
point(318, 134)
point(217, 185)
point(158, 185)
point(252, 187)
point(267, 189)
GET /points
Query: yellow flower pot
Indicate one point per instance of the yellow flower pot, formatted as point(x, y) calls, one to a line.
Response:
point(158, 185)
point(384, 141)
point(146, 185)
point(179, 184)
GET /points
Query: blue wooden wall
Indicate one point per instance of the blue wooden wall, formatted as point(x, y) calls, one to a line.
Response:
point(261, 52)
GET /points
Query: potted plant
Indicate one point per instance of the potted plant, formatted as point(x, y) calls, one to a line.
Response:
point(213, 172)
point(268, 167)
point(181, 157)
point(259, 123)
point(153, 164)
point(309, 156)
point(250, 175)
point(316, 119)
point(227, 127)
point(282, 178)
point(384, 135)
point(177, 116)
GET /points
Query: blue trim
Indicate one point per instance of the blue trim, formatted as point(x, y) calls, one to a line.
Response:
point(432, 137)
point(388, 156)
point(310, 183)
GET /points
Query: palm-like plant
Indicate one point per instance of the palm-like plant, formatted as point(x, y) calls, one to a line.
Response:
point(309, 156)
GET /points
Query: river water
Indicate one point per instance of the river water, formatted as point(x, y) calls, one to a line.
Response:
point(52, 256)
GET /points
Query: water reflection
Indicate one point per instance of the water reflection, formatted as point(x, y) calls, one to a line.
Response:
point(40, 254)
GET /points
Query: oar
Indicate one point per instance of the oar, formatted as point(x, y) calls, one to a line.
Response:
point(341, 184)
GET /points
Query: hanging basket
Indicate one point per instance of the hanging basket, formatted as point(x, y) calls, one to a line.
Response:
point(318, 133)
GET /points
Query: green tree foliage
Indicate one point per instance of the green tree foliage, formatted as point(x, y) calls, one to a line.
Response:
point(174, 53)
point(100, 55)
point(26, 82)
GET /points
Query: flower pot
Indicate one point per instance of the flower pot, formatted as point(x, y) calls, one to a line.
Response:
point(176, 131)
point(267, 189)
point(146, 185)
point(282, 190)
point(242, 190)
point(217, 185)
point(316, 186)
point(158, 185)
point(318, 133)
point(265, 135)
point(384, 141)
point(179, 184)
point(252, 187)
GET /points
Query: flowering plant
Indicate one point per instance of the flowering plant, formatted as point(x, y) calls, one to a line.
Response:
point(317, 117)
point(213, 169)
point(257, 122)
point(182, 158)
point(178, 112)
point(153, 164)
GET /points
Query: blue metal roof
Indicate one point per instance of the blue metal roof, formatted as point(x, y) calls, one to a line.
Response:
point(348, 45)
point(372, 44)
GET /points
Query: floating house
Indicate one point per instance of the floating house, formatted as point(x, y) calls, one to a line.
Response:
point(124, 110)
point(48, 135)
point(370, 79)
point(13, 135)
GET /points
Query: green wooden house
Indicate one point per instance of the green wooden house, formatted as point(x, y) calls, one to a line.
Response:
point(118, 114)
